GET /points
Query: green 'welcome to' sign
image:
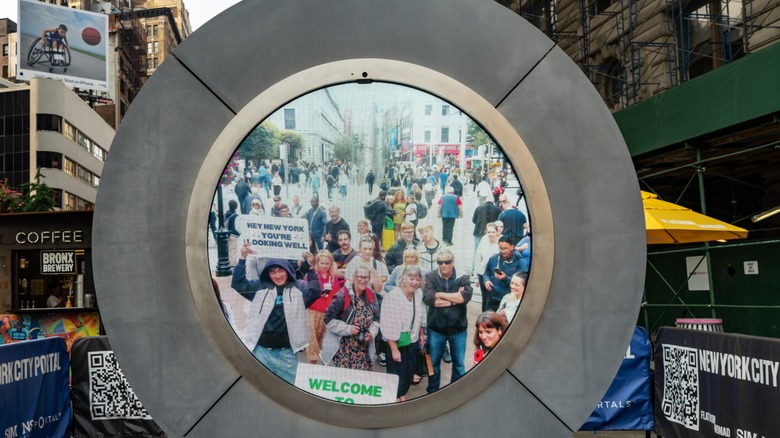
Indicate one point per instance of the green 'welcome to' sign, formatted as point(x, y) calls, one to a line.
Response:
point(347, 386)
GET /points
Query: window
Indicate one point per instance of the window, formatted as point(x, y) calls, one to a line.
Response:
point(599, 6)
point(70, 201)
point(56, 196)
point(85, 142)
point(154, 30)
point(445, 134)
point(148, 47)
point(155, 62)
point(85, 175)
point(70, 166)
point(69, 131)
point(49, 160)
point(96, 180)
point(427, 136)
point(99, 153)
point(148, 63)
point(428, 110)
point(5, 49)
point(49, 122)
point(289, 118)
point(148, 30)
point(156, 47)
point(445, 110)
point(5, 71)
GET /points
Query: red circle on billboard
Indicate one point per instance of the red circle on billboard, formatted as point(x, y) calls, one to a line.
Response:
point(91, 36)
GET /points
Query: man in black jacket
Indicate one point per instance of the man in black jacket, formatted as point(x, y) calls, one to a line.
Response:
point(446, 296)
point(379, 210)
point(332, 228)
point(457, 186)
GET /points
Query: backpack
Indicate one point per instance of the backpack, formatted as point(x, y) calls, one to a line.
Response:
point(422, 210)
point(368, 209)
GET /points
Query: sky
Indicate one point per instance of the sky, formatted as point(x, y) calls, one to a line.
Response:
point(201, 11)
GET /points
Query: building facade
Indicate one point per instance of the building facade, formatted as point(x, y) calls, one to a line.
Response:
point(439, 132)
point(694, 88)
point(318, 119)
point(635, 49)
point(47, 127)
point(7, 62)
point(162, 35)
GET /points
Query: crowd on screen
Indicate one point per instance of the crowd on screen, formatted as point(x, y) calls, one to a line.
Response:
point(358, 301)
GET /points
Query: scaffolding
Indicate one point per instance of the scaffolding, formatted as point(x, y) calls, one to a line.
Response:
point(648, 46)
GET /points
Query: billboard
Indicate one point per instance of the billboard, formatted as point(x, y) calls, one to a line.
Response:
point(64, 44)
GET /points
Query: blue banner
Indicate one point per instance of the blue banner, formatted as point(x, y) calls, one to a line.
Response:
point(34, 389)
point(627, 404)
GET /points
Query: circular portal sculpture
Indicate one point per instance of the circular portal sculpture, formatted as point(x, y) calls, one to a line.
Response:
point(181, 356)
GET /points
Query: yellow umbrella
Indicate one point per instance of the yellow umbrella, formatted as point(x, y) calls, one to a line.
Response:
point(670, 223)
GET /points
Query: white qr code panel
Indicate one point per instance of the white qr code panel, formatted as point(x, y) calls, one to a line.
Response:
point(680, 402)
point(110, 395)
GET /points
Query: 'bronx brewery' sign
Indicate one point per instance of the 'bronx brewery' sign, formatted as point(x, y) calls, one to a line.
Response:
point(58, 262)
point(347, 386)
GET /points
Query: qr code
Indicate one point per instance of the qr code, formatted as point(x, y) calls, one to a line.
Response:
point(681, 386)
point(110, 395)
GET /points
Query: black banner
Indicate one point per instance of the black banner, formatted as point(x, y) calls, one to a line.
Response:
point(104, 405)
point(716, 385)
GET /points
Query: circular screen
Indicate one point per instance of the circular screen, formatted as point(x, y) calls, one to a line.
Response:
point(155, 269)
point(369, 243)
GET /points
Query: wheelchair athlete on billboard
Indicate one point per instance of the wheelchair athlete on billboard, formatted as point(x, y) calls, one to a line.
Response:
point(53, 43)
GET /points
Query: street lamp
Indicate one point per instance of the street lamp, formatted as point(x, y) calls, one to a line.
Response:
point(221, 235)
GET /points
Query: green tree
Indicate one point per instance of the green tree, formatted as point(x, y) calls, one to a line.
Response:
point(35, 196)
point(476, 136)
point(261, 144)
point(348, 148)
point(295, 141)
point(39, 196)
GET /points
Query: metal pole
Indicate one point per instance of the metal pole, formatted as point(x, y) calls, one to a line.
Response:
point(223, 261)
point(703, 200)
point(462, 149)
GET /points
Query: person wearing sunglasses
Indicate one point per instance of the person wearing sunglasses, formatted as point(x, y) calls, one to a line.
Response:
point(446, 296)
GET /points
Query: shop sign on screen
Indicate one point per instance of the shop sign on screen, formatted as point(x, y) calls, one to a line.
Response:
point(346, 385)
point(58, 262)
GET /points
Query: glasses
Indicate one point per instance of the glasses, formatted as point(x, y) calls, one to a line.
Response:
point(362, 277)
point(444, 262)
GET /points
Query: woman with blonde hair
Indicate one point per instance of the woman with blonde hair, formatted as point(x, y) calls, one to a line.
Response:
point(410, 212)
point(399, 205)
point(403, 315)
point(324, 271)
point(411, 257)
